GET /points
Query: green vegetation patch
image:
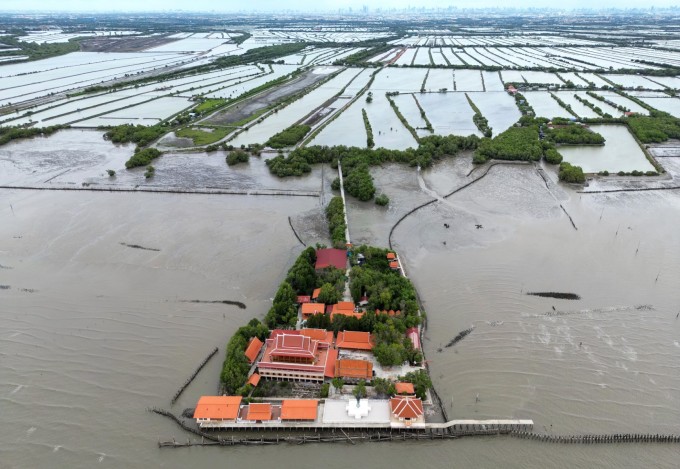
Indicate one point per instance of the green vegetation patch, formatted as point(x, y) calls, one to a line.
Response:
point(335, 213)
point(570, 173)
point(289, 136)
point(7, 134)
point(430, 149)
point(516, 143)
point(235, 367)
point(142, 158)
point(203, 137)
point(209, 105)
point(139, 134)
point(359, 183)
point(237, 156)
point(655, 128)
point(573, 134)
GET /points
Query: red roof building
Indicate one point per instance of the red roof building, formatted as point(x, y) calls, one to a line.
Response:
point(354, 340)
point(404, 388)
point(259, 412)
point(293, 348)
point(315, 293)
point(221, 408)
point(322, 335)
point(299, 409)
point(407, 408)
point(394, 265)
point(302, 299)
point(346, 308)
point(295, 355)
point(254, 380)
point(354, 369)
point(331, 258)
point(310, 309)
point(253, 349)
point(391, 256)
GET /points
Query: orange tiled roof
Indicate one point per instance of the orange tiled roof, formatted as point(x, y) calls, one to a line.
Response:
point(331, 359)
point(391, 256)
point(321, 335)
point(404, 388)
point(389, 313)
point(315, 293)
point(394, 265)
point(293, 346)
point(217, 407)
point(309, 309)
point(253, 349)
point(344, 306)
point(254, 379)
point(354, 340)
point(259, 411)
point(406, 407)
point(299, 409)
point(354, 369)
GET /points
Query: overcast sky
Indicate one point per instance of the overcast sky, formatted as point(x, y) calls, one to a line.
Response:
point(310, 5)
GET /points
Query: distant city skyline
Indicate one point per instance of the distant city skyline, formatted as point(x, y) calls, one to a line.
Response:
point(316, 5)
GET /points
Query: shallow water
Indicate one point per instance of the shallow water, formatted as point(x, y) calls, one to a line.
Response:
point(93, 332)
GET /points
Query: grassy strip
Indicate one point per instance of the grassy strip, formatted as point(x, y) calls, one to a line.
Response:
point(565, 106)
point(585, 102)
point(335, 214)
point(289, 136)
point(480, 121)
point(605, 100)
point(429, 51)
point(401, 117)
point(422, 86)
point(370, 143)
point(202, 137)
point(428, 124)
point(209, 105)
point(446, 59)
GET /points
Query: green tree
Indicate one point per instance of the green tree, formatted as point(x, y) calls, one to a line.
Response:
point(328, 294)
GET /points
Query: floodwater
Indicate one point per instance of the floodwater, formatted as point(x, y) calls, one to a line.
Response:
point(93, 332)
point(620, 152)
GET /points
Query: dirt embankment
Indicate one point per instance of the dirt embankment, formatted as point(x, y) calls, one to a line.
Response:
point(250, 106)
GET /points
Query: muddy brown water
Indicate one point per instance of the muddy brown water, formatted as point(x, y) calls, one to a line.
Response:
point(93, 332)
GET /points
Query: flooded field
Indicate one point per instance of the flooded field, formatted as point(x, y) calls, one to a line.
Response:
point(94, 331)
point(619, 153)
point(113, 288)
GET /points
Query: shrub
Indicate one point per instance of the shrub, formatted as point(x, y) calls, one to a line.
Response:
point(382, 200)
point(142, 157)
point(571, 174)
point(111, 172)
point(359, 183)
point(150, 171)
point(335, 185)
point(552, 156)
point(237, 156)
point(325, 388)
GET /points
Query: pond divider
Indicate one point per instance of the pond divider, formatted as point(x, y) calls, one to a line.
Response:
point(191, 378)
